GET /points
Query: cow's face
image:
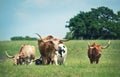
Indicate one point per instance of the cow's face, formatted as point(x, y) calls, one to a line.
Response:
point(62, 50)
point(97, 46)
point(94, 49)
point(16, 59)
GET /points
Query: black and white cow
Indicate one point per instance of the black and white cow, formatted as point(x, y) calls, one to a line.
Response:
point(61, 54)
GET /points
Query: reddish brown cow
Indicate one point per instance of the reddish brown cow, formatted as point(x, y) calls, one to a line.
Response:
point(47, 50)
point(94, 51)
point(47, 47)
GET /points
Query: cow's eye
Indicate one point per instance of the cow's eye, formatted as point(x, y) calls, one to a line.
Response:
point(63, 46)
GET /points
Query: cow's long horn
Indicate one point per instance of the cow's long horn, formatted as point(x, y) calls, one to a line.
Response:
point(39, 36)
point(88, 43)
point(8, 55)
point(103, 47)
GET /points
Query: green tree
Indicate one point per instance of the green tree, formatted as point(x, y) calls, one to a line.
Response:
point(22, 38)
point(100, 23)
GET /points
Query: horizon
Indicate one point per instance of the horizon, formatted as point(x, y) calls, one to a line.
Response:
point(46, 17)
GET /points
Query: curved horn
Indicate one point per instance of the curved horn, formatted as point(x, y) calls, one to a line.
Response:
point(89, 43)
point(38, 35)
point(8, 55)
point(103, 47)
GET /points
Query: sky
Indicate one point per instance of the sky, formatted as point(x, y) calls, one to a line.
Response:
point(46, 17)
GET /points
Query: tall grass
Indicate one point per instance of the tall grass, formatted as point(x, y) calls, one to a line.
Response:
point(77, 63)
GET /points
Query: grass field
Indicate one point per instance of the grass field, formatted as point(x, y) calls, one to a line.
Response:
point(77, 63)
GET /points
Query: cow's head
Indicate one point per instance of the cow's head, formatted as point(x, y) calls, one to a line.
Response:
point(17, 58)
point(62, 50)
point(97, 47)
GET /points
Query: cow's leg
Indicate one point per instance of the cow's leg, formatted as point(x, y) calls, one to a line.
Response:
point(55, 60)
point(30, 63)
point(44, 60)
point(91, 60)
point(49, 60)
point(21, 61)
point(31, 59)
point(97, 58)
point(27, 60)
point(64, 58)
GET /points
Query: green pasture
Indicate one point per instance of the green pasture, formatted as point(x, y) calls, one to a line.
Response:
point(77, 63)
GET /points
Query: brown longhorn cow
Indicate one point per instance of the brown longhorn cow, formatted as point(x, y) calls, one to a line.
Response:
point(48, 47)
point(26, 55)
point(47, 50)
point(94, 51)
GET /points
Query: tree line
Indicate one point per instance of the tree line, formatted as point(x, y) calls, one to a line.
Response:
point(15, 38)
point(99, 23)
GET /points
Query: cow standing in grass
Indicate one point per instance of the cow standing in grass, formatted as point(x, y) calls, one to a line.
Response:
point(48, 47)
point(47, 50)
point(26, 55)
point(61, 54)
point(94, 51)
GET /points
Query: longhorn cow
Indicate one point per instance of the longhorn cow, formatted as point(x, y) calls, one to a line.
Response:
point(26, 55)
point(94, 51)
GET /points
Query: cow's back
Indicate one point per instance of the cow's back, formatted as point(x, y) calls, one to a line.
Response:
point(28, 51)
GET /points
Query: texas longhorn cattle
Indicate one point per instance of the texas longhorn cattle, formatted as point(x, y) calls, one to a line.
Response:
point(48, 47)
point(94, 51)
point(26, 55)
